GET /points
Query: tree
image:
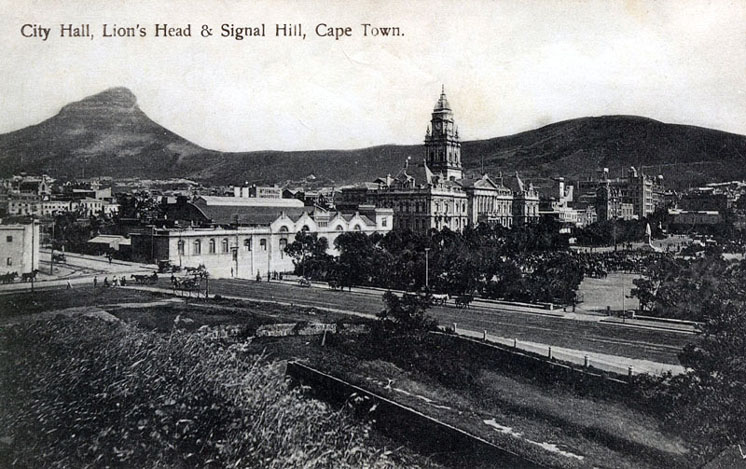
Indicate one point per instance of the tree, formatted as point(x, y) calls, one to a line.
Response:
point(644, 291)
point(357, 258)
point(408, 313)
point(309, 255)
point(709, 401)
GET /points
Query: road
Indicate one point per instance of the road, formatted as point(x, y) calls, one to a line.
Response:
point(524, 324)
point(77, 269)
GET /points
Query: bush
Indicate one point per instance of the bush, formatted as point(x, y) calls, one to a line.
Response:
point(84, 393)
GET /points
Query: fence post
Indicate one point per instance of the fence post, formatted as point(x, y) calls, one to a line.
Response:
point(515, 343)
point(629, 372)
point(454, 328)
point(550, 353)
point(484, 336)
point(585, 362)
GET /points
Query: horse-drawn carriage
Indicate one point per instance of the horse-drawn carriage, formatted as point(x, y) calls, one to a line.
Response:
point(304, 282)
point(166, 267)
point(438, 299)
point(145, 279)
point(463, 301)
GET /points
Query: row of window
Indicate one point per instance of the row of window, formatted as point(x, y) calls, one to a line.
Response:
point(421, 207)
point(224, 246)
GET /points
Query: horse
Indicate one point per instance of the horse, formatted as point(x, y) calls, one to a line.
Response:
point(8, 278)
point(29, 276)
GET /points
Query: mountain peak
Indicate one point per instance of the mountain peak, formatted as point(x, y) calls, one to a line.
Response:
point(113, 98)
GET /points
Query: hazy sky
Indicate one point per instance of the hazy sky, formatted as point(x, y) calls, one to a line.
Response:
point(507, 66)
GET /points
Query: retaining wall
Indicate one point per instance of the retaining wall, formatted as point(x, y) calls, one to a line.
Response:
point(424, 433)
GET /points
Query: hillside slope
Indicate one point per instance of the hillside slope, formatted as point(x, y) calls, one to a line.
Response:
point(108, 135)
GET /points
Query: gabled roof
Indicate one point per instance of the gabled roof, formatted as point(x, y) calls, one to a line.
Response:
point(416, 175)
point(241, 215)
point(484, 182)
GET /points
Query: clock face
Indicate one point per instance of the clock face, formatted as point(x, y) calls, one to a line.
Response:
point(438, 125)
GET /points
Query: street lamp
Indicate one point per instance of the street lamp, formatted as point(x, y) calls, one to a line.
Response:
point(427, 269)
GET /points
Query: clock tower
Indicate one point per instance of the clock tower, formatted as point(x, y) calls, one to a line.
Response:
point(442, 144)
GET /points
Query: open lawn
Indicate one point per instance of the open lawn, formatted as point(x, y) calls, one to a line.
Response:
point(613, 291)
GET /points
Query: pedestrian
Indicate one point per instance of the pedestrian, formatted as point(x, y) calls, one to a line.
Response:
point(231, 271)
point(269, 276)
point(106, 281)
point(123, 282)
point(68, 285)
point(95, 281)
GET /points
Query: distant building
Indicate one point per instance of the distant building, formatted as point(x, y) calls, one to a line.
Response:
point(254, 191)
point(19, 247)
point(643, 193)
point(685, 219)
point(610, 203)
point(705, 199)
point(434, 194)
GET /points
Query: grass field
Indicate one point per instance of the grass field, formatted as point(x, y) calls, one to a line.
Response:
point(613, 291)
point(80, 392)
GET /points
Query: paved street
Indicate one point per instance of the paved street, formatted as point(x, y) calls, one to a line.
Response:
point(525, 324)
point(77, 269)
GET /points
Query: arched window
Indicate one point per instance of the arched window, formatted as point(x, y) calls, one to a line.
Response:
point(357, 228)
point(212, 246)
point(284, 229)
point(305, 228)
point(180, 247)
point(339, 228)
point(224, 246)
point(247, 244)
point(197, 247)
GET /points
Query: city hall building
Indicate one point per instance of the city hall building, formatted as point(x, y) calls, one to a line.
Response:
point(434, 194)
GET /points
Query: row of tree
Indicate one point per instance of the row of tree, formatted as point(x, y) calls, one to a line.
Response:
point(525, 263)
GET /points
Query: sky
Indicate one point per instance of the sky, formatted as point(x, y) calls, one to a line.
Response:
point(507, 66)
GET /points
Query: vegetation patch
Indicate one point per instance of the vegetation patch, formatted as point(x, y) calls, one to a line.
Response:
point(85, 393)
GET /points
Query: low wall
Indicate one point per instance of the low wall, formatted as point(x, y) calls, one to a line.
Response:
point(536, 366)
point(426, 434)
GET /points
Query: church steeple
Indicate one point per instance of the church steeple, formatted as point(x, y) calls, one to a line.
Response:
point(442, 145)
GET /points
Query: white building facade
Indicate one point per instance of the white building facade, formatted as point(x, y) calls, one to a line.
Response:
point(19, 248)
point(248, 251)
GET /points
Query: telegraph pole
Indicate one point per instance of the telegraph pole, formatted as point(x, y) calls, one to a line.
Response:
point(427, 269)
